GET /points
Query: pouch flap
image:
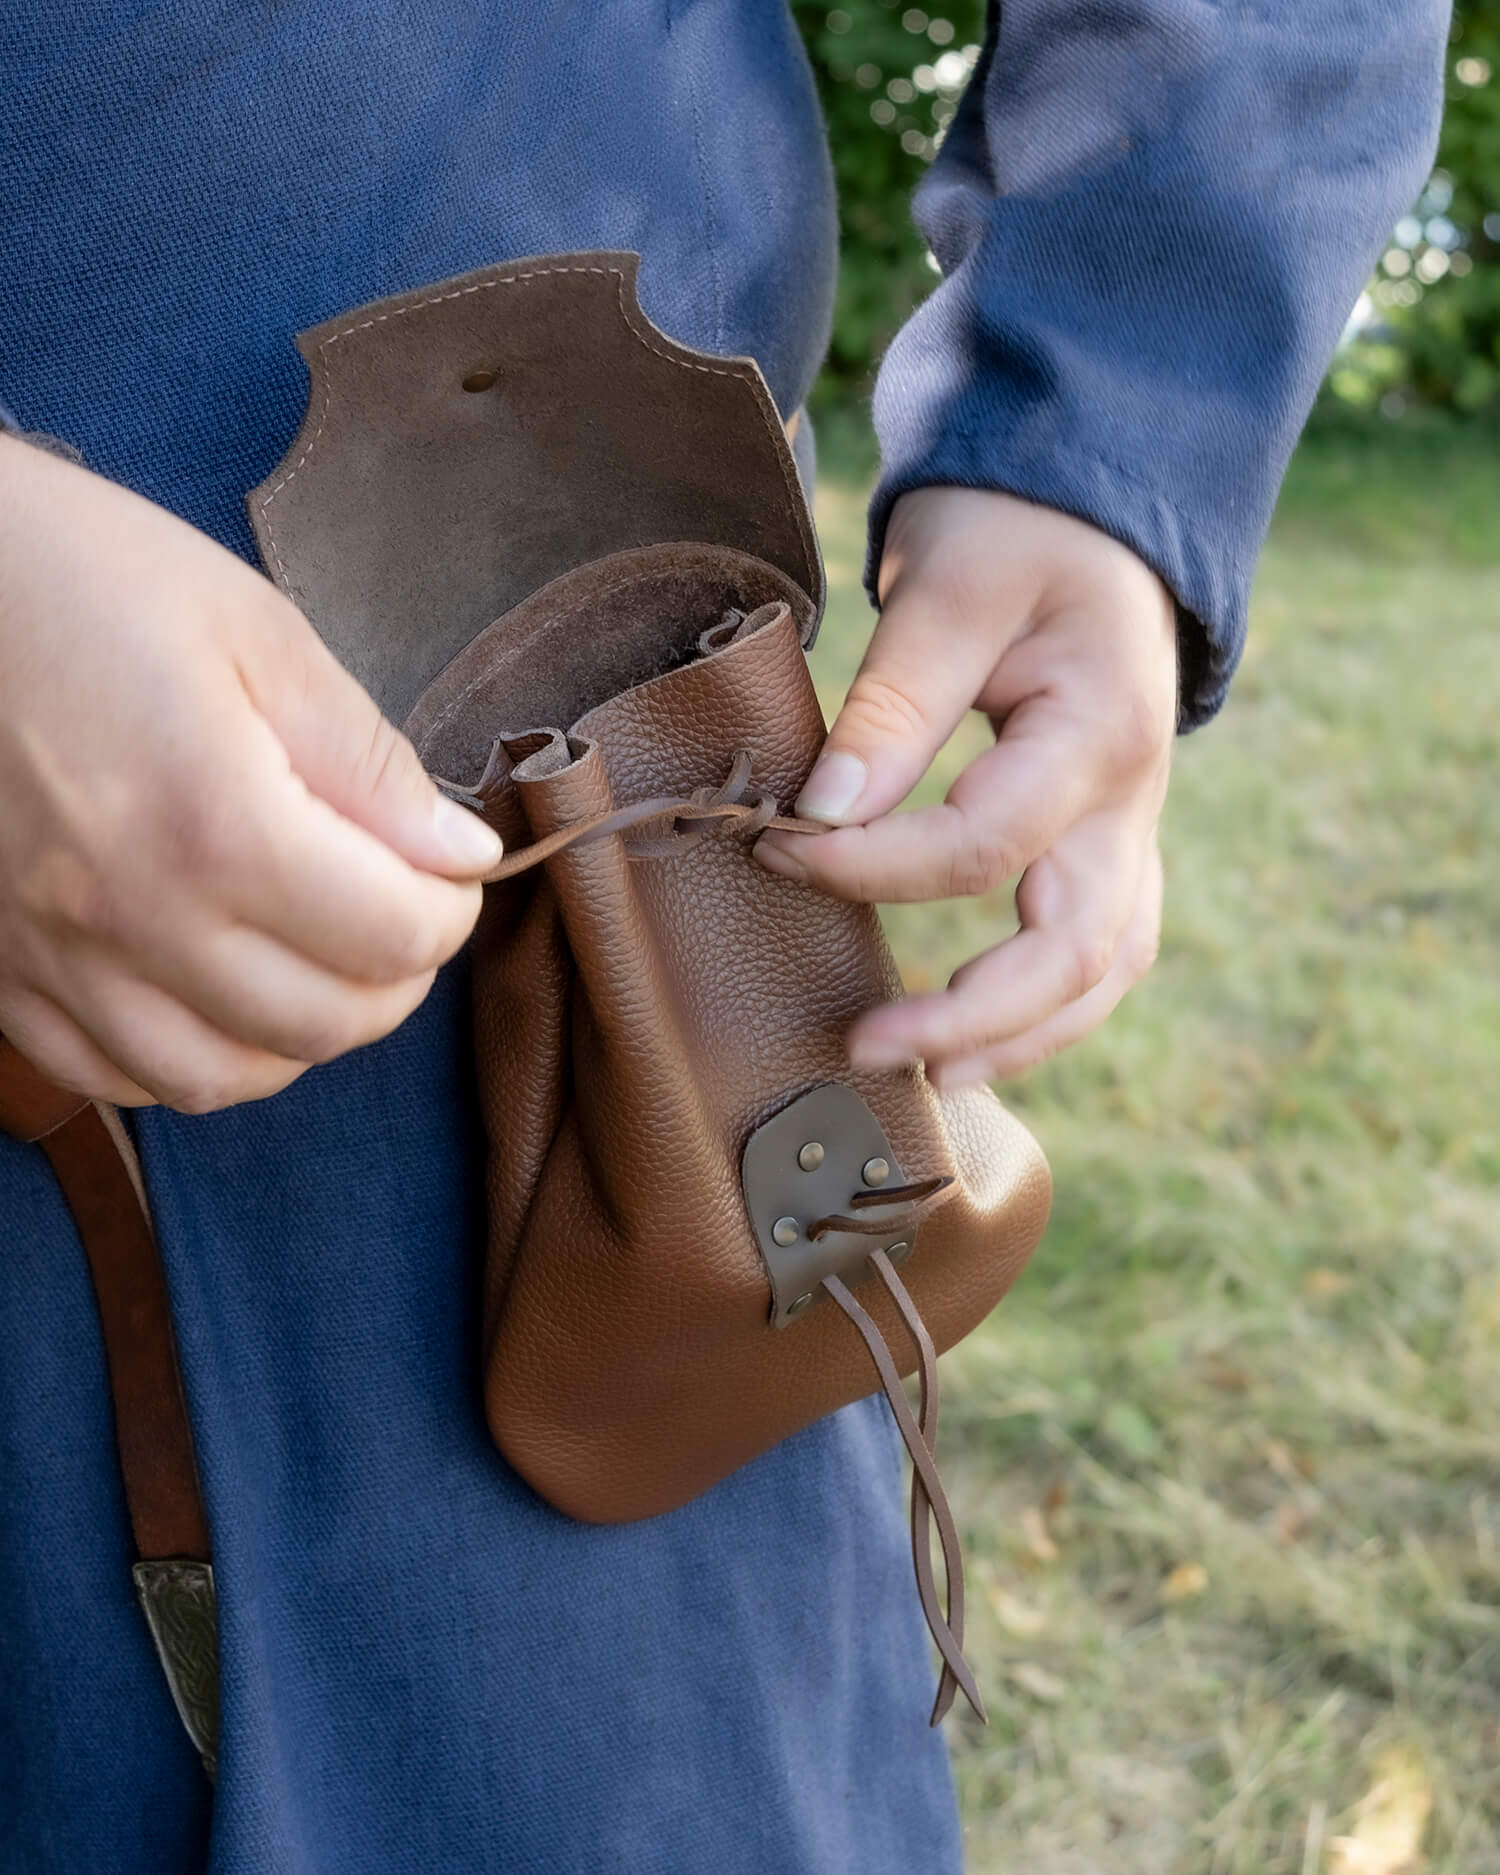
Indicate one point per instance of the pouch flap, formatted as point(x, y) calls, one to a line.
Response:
point(466, 443)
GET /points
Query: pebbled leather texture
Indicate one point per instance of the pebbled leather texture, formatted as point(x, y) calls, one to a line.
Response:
point(636, 1020)
point(646, 997)
point(588, 586)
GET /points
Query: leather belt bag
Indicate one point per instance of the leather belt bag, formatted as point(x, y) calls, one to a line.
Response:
point(574, 558)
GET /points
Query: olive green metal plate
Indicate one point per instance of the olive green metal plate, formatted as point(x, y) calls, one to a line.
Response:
point(182, 1613)
point(788, 1184)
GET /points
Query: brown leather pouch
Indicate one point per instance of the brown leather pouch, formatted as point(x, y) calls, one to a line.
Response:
point(575, 558)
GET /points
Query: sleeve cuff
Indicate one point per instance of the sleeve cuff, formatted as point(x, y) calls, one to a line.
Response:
point(1207, 578)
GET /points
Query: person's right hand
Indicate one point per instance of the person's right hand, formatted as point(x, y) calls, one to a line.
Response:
point(218, 862)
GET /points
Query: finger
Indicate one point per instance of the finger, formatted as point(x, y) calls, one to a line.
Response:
point(1133, 959)
point(326, 888)
point(168, 1050)
point(276, 857)
point(254, 991)
point(1074, 903)
point(352, 758)
point(52, 1042)
point(1007, 808)
point(919, 678)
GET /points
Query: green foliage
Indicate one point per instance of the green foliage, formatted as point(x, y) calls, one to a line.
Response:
point(1438, 285)
point(889, 75)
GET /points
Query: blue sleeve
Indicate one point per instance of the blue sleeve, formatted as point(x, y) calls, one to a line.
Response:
point(1153, 218)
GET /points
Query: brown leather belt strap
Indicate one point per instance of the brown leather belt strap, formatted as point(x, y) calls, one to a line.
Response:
point(96, 1167)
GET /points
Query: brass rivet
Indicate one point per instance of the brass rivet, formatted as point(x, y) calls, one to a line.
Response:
point(811, 1155)
point(799, 1307)
point(785, 1231)
point(875, 1171)
point(480, 380)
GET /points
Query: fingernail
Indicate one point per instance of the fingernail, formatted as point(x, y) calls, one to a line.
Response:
point(464, 837)
point(778, 859)
point(872, 1052)
point(833, 788)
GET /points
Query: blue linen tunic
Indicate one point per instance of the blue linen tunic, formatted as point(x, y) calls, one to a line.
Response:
point(1154, 214)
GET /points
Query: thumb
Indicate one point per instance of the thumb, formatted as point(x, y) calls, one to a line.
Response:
point(350, 756)
point(921, 674)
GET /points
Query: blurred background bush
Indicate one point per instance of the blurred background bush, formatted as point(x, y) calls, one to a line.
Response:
point(1228, 1459)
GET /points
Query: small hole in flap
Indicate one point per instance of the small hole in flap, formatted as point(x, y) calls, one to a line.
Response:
point(480, 380)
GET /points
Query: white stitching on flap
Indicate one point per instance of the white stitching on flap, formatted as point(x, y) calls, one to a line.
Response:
point(762, 399)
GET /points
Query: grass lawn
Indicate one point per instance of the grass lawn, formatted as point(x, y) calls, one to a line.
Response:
point(1228, 1459)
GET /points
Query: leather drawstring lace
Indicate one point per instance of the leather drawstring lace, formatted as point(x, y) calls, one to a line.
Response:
point(691, 817)
point(920, 1198)
point(929, 1501)
point(748, 810)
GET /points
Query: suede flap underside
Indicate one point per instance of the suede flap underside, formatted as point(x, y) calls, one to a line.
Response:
point(466, 443)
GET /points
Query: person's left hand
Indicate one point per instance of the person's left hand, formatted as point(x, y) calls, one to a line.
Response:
point(1067, 642)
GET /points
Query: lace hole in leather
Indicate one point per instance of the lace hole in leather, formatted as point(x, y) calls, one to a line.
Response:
point(480, 380)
